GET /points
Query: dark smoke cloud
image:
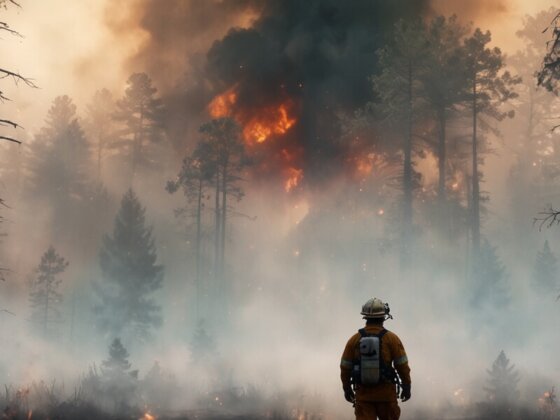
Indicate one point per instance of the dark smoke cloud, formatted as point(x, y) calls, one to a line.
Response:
point(318, 53)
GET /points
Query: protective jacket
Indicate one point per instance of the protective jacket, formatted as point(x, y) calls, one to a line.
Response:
point(393, 356)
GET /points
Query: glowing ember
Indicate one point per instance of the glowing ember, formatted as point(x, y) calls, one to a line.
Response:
point(364, 164)
point(294, 178)
point(148, 416)
point(380, 212)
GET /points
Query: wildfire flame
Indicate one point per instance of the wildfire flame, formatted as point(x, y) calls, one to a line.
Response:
point(274, 122)
point(294, 178)
point(222, 105)
point(148, 416)
point(258, 126)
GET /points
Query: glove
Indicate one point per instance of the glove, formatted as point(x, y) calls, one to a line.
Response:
point(349, 395)
point(405, 393)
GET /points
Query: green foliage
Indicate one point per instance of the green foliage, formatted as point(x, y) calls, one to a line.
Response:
point(130, 276)
point(44, 295)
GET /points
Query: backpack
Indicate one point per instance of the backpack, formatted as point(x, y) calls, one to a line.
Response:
point(370, 369)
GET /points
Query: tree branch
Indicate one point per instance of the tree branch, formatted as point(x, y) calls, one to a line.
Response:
point(10, 139)
point(548, 218)
point(17, 78)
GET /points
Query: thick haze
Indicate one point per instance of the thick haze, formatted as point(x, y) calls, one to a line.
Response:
point(304, 251)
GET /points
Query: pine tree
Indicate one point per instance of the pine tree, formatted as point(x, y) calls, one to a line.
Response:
point(140, 113)
point(100, 125)
point(444, 83)
point(502, 382)
point(491, 287)
point(195, 179)
point(490, 88)
point(117, 364)
point(130, 275)
point(222, 151)
point(545, 273)
point(119, 383)
point(44, 296)
point(400, 91)
point(59, 165)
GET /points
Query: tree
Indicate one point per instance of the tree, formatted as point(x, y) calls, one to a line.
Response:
point(502, 382)
point(400, 93)
point(491, 289)
point(545, 273)
point(59, 164)
point(195, 179)
point(118, 381)
point(537, 148)
point(140, 113)
point(444, 82)
point(130, 275)
point(44, 296)
point(222, 151)
point(117, 364)
point(490, 87)
point(100, 125)
point(549, 74)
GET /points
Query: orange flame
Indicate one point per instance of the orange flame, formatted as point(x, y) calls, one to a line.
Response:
point(272, 120)
point(148, 416)
point(294, 178)
point(222, 105)
point(275, 121)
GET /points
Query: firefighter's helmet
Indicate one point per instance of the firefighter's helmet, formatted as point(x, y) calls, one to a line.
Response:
point(376, 308)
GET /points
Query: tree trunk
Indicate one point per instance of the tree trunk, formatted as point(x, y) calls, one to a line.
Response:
point(441, 155)
point(475, 222)
point(137, 146)
point(217, 229)
point(223, 224)
point(198, 245)
point(407, 180)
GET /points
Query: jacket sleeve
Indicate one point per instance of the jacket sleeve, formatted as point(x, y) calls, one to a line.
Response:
point(346, 364)
point(400, 361)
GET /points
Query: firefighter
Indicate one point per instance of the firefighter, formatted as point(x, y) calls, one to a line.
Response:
point(370, 363)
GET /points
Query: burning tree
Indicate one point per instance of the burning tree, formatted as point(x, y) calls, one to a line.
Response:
point(140, 112)
point(44, 295)
point(130, 276)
